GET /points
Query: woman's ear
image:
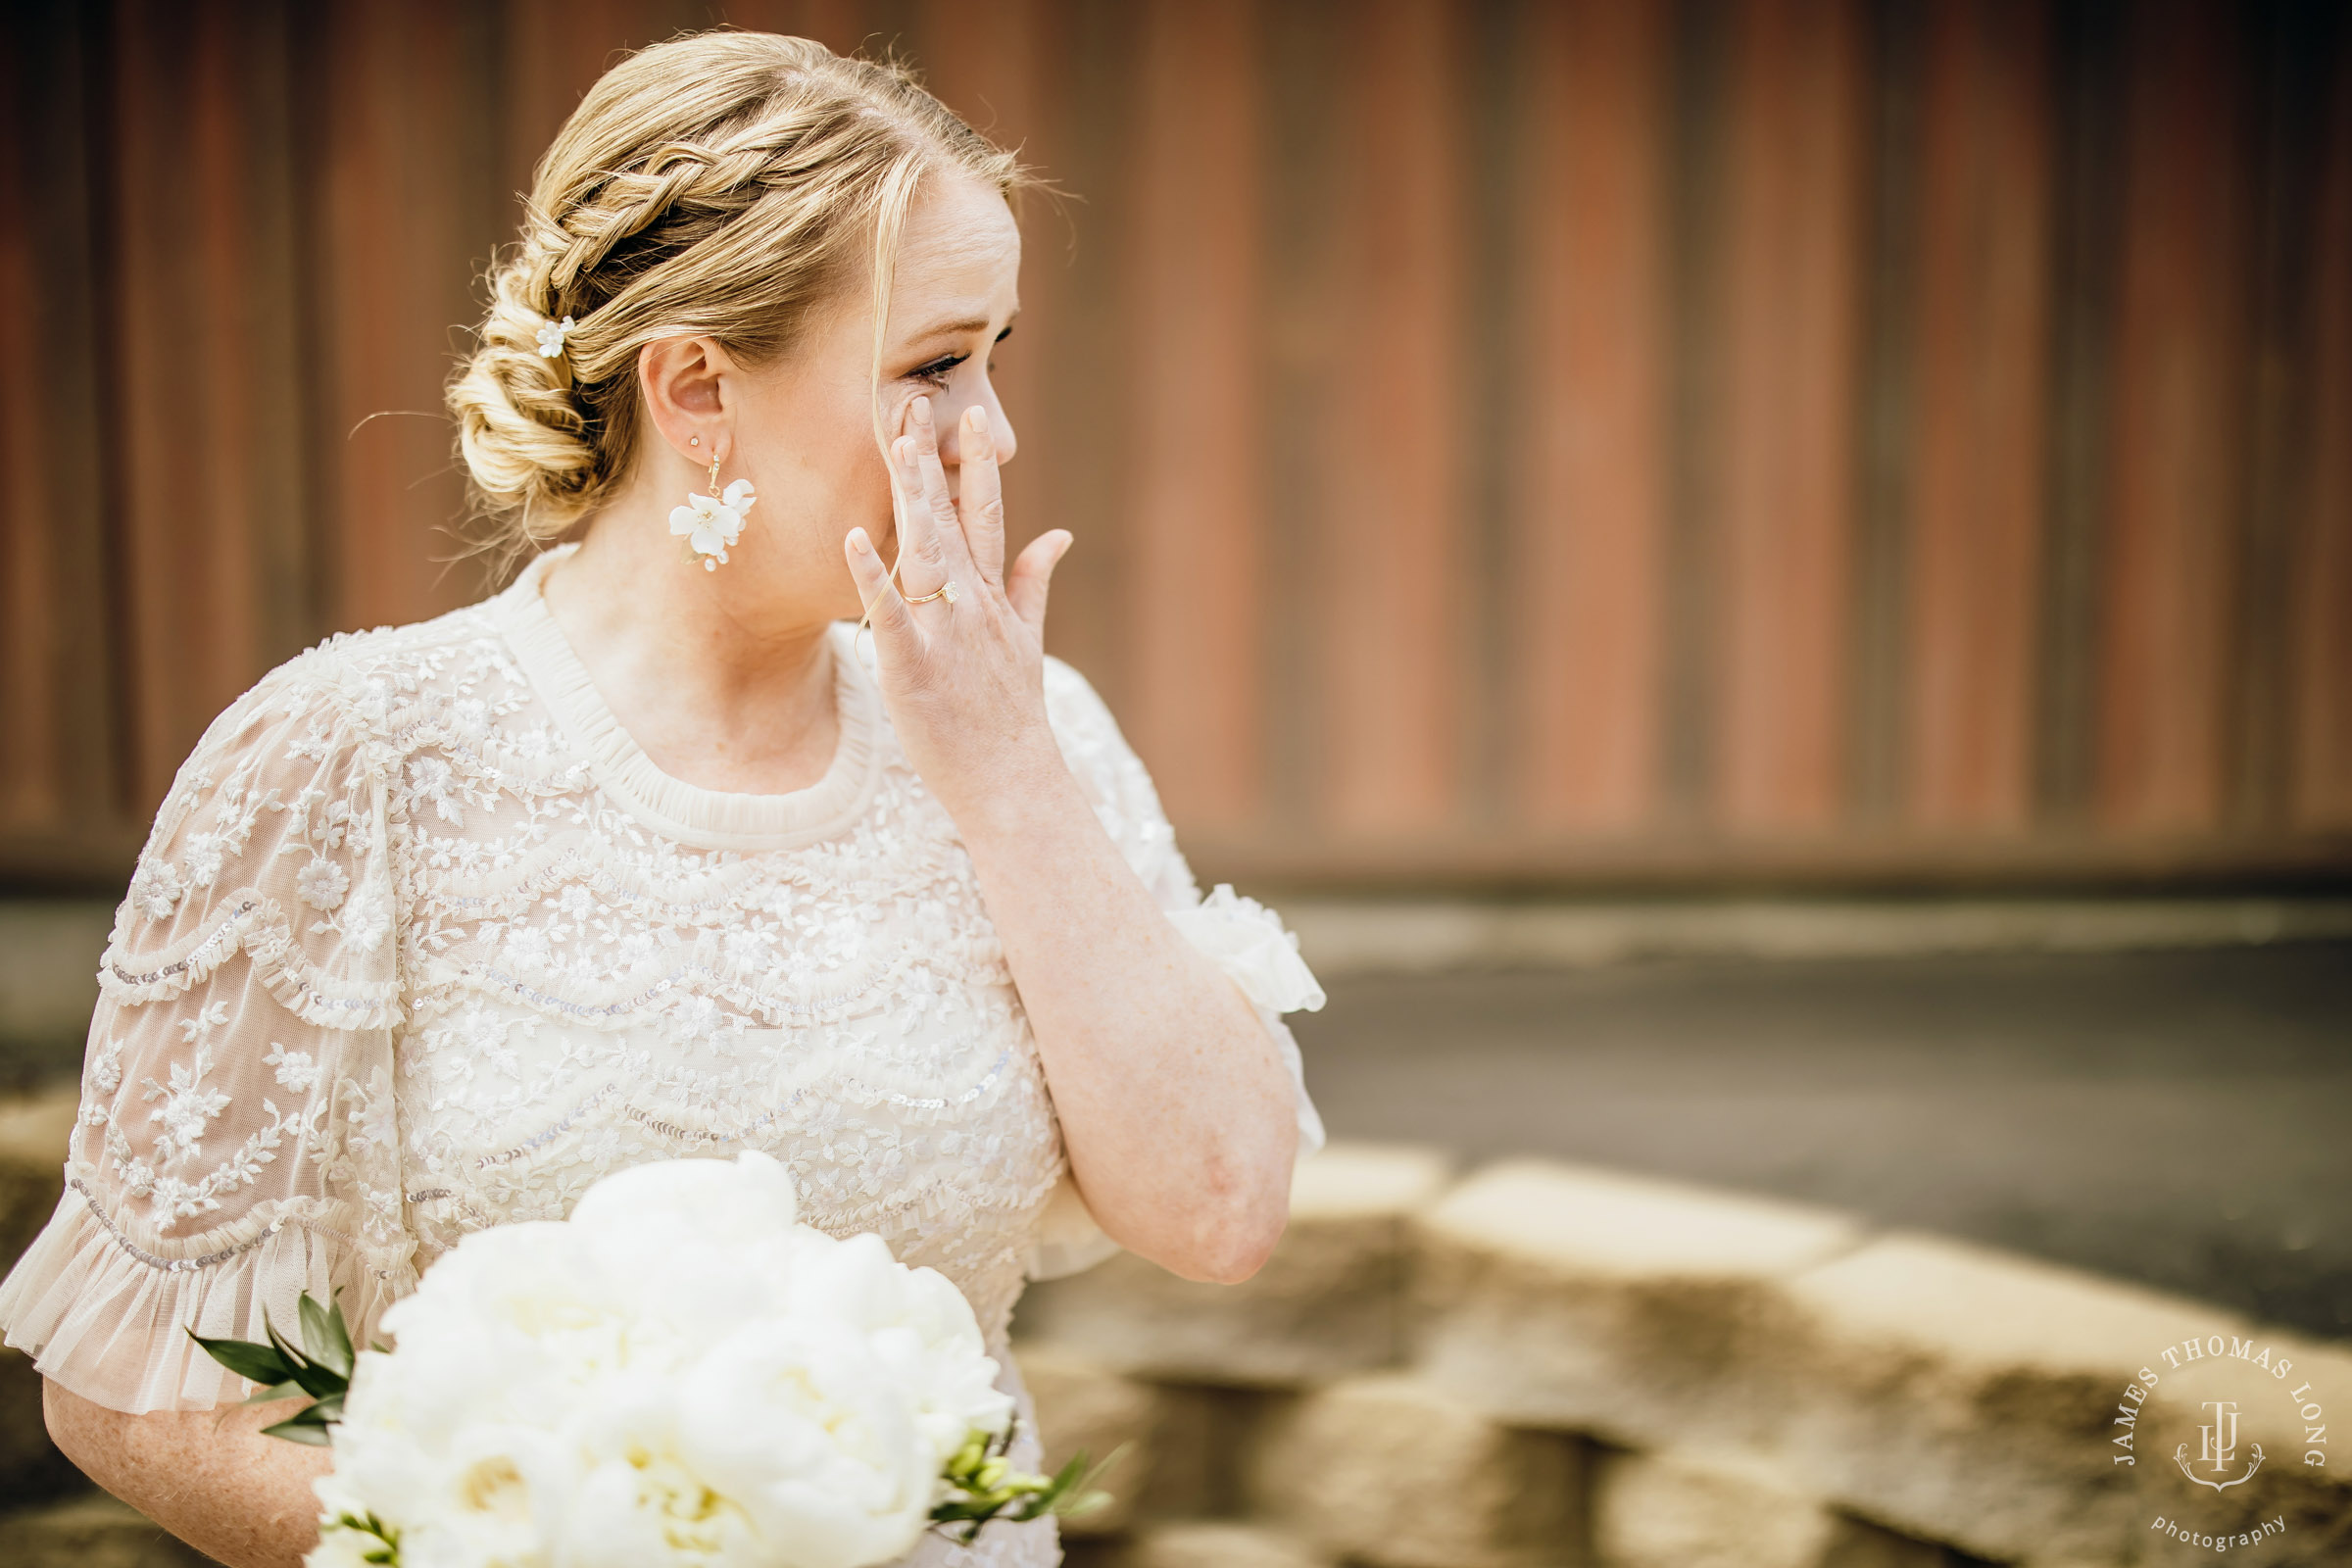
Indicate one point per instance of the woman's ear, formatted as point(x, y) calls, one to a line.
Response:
point(685, 382)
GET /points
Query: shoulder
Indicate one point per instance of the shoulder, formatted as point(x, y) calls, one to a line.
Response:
point(349, 690)
point(327, 721)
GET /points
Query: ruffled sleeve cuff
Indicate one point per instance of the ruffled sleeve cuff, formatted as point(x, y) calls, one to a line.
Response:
point(1250, 943)
point(105, 1318)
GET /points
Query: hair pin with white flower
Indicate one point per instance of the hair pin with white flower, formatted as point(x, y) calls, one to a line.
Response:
point(551, 338)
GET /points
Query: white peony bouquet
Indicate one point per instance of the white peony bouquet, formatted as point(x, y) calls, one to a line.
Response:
point(680, 1373)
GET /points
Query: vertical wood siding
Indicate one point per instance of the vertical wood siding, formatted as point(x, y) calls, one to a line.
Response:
point(1981, 414)
point(1527, 441)
point(1586, 581)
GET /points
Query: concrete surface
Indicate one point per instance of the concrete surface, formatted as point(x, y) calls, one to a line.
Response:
point(2183, 1118)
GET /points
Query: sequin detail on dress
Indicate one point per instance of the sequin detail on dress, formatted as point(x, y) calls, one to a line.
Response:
point(421, 942)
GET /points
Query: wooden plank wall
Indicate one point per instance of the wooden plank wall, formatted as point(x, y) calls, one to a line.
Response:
point(1526, 442)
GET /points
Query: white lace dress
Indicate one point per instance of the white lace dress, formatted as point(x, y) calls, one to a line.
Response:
point(422, 942)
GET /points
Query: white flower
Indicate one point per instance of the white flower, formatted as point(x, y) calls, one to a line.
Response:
point(679, 1374)
point(204, 858)
point(156, 890)
point(747, 948)
point(322, 884)
point(551, 338)
point(369, 920)
point(295, 1068)
point(431, 778)
point(711, 523)
point(187, 1108)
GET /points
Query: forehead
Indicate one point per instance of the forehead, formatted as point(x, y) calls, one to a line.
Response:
point(961, 247)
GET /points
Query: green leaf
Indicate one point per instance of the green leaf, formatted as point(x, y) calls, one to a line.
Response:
point(324, 1338)
point(316, 1379)
point(285, 1372)
point(276, 1391)
point(256, 1363)
point(982, 1487)
point(318, 1435)
point(389, 1553)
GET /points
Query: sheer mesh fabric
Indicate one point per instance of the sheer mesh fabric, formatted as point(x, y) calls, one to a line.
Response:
point(422, 942)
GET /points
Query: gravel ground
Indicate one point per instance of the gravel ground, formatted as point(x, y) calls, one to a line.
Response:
point(2183, 1118)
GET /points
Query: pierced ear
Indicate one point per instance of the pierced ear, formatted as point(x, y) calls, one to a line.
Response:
point(683, 375)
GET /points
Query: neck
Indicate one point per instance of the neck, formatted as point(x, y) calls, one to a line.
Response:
point(722, 682)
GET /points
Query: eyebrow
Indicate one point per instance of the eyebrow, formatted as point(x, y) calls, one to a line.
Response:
point(975, 323)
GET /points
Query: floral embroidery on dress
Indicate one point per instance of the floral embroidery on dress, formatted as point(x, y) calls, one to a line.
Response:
point(421, 943)
point(296, 1071)
point(155, 889)
point(322, 884)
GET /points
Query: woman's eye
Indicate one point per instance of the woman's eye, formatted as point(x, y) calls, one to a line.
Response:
point(936, 371)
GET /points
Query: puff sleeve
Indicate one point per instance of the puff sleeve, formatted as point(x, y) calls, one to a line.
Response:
point(236, 1143)
point(1247, 940)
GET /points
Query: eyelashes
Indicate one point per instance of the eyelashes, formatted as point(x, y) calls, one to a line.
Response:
point(936, 373)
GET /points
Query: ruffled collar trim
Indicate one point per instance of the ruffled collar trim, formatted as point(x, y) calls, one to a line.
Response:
point(691, 814)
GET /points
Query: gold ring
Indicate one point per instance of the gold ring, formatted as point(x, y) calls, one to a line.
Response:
point(946, 590)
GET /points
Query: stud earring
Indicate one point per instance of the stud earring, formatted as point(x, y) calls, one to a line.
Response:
point(713, 522)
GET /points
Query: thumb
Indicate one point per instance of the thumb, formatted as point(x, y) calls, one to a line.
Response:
point(877, 591)
point(1026, 584)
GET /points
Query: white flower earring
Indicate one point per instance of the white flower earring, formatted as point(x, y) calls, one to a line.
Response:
point(713, 522)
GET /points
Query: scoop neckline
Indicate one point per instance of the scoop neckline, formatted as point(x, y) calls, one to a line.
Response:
point(688, 812)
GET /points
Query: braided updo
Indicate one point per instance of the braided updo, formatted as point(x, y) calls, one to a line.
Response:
point(727, 184)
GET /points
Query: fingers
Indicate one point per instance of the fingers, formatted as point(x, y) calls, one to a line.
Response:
point(922, 564)
point(981, 496)
point(929, 488)
point(1033, 572)
point(884, 606)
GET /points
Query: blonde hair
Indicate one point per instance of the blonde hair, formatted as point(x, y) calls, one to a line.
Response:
point(724, 183)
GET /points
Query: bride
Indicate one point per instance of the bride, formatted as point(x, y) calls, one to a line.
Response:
point(656, 852)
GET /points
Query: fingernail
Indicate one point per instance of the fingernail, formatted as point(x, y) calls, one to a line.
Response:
point(922, 410)
point(903, 450)
point(860, 543)
point(977, 418)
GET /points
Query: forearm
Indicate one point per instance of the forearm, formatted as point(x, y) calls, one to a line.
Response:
point(1175, 1105)
point(207, 1476)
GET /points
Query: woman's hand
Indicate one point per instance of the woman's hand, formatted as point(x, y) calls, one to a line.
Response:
point(1174, 1105)
point(962, 672)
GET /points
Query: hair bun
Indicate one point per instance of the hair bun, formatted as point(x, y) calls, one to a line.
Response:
point(523, 438)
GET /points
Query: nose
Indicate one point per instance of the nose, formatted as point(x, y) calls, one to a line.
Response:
point(950, 446)
point(1000, 425)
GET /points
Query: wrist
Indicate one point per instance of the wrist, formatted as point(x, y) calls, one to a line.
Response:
point(1033, 792)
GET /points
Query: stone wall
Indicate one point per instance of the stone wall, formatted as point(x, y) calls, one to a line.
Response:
point(1545, 1366)
point(1542, 1365)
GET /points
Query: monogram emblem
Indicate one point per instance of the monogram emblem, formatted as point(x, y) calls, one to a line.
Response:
point(2218, 1448)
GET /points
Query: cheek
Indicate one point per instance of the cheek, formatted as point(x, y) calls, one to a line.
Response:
point(846, 482)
